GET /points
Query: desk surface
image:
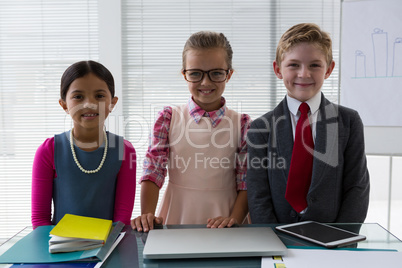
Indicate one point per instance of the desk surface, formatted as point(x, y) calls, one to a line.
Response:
point(129, 252)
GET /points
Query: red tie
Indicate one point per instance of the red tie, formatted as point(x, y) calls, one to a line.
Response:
point(301, 165)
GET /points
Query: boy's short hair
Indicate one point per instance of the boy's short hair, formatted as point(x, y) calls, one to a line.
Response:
point(304, 33)
point(208, 40)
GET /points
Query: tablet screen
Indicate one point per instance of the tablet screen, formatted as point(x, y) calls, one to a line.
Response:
point(319, 232)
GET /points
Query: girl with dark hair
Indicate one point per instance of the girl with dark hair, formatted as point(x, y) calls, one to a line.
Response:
point(87, 170)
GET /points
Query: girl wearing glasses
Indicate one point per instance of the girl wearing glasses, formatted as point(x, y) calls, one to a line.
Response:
point(202, 144)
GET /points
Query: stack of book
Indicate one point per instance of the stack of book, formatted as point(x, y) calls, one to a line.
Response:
point(34, 247)
point(76, 233)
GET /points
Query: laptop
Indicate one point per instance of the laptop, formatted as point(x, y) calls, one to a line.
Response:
point(212, 243)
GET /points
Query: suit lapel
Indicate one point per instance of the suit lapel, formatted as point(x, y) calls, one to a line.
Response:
point(284, 134)
point(325, 148)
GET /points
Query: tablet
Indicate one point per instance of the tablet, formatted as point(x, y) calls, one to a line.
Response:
point(321, 234)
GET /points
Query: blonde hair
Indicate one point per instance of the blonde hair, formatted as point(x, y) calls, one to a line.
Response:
point(304, 33)
point(208, 40)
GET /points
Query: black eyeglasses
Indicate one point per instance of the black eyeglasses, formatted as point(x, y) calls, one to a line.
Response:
point(196, 75)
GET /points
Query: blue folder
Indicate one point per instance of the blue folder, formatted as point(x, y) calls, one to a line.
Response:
point(55, 265)
point(34, 248)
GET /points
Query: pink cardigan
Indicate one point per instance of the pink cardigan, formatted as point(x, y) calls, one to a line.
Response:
point(43, 173)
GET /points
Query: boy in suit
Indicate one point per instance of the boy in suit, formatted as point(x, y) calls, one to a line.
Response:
point(306, 157)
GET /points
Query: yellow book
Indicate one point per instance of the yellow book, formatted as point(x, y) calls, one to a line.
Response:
point(74, 233)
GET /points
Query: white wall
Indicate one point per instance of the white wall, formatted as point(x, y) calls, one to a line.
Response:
point(386, 192)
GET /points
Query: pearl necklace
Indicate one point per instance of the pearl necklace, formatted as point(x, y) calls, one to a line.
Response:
point(75, 156)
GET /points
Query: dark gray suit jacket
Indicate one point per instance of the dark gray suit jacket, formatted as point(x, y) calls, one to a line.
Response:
point(340, 186)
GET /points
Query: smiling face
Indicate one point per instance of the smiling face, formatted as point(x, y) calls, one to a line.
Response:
point(303, 70)
point(207, 94)
point(89, 102)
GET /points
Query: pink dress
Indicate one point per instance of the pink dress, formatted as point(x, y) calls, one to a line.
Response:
point(202, 163)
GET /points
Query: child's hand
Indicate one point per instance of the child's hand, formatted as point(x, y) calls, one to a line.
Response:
point(146, 222)
point(221, 222)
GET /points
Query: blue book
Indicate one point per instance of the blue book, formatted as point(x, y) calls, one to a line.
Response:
point(34, 248)
point(55, 265)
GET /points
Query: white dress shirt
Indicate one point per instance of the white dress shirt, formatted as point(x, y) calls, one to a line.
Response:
point(313, 103)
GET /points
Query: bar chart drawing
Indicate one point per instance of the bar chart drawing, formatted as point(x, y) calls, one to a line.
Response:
point(370, 71)
point(380, 52)
point(381, 63)
point(360, 64)
point(397, 60)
